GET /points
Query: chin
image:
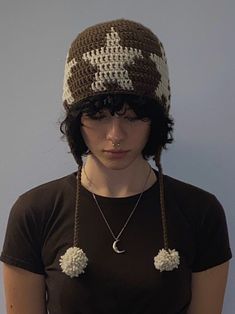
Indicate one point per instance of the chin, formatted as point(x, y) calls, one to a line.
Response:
point(120, 164)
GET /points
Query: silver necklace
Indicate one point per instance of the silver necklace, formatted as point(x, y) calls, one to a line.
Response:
point(74, 261)
point(116, 238)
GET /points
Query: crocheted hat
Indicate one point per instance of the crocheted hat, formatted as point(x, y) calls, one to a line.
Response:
point(119, 56)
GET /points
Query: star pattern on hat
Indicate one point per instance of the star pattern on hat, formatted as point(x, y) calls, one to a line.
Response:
point(67, 94)
point(110, 61)
point(163, 85)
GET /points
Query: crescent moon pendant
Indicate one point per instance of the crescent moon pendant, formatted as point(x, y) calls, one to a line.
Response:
point(115, 248)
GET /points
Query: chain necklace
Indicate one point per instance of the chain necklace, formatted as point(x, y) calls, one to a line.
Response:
point(116, 238)
point(74, 261)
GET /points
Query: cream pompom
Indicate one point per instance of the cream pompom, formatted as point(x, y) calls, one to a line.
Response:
point(167, 260)
point(73, 262)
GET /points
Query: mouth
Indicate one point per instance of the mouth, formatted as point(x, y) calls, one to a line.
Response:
point(116, 153)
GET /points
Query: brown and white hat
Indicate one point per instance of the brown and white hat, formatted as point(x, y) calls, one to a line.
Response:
point(119, 56)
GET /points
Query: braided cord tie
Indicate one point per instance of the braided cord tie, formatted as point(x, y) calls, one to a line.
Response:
point(74, 261)
point(77, 201)
point(166, 259)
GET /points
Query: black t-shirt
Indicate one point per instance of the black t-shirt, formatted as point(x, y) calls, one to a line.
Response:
point(40, 229)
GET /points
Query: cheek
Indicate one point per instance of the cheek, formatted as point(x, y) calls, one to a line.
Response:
point(90, 137)
point(140, 136)
point(85, 136)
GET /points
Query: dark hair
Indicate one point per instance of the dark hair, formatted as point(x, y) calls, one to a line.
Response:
point(145, 108)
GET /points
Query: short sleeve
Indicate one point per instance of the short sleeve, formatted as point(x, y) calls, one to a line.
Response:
point(212, 247)
point(22, 245)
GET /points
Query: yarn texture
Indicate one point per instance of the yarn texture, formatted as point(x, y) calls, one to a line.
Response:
point(167, 260)
point(73, 262)
point(119, 56)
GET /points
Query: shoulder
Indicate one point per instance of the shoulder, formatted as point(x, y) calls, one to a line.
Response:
point(186, 192)
point(49, 189)
point(193, 201)
point(202, 217)
point(44, 197)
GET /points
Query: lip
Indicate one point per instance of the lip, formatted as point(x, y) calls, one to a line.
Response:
point(116, 153)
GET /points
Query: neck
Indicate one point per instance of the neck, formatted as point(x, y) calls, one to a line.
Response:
point(109, 182)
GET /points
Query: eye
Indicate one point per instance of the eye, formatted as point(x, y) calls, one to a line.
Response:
point(98, 117)
point(131, 119)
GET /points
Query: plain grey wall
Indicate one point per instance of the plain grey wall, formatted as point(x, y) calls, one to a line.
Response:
point(200, 46)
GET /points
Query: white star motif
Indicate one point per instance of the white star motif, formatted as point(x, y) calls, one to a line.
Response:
point(67, 95)
point(162, 88)
point(110, 61)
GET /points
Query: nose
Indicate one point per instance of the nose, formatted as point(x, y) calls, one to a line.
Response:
point(115, 131)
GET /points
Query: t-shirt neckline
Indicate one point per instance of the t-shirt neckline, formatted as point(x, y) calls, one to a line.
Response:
point(85, 191)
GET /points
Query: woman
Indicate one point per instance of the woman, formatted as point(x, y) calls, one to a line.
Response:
point(116, 236)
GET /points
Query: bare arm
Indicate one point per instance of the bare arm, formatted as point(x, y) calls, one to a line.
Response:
point(24, 291)
point(208, 289)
